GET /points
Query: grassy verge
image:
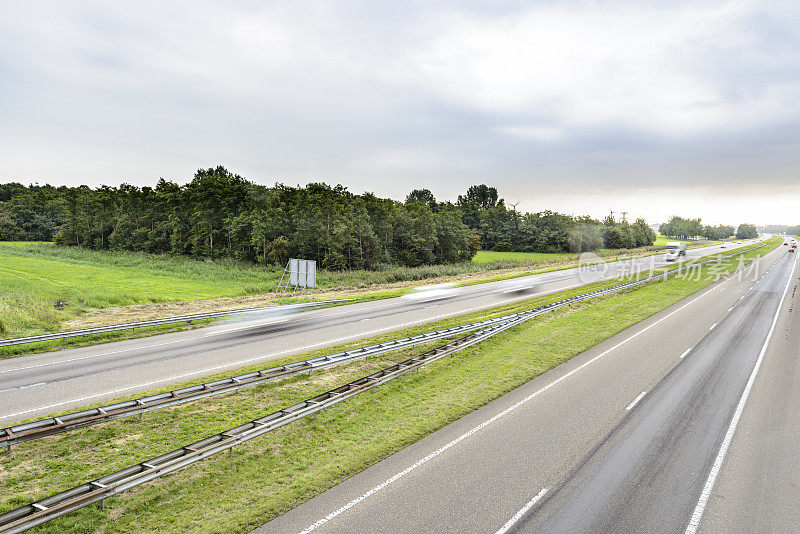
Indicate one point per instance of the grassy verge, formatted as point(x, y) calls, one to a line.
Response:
point(282, 469)
point(44, 288)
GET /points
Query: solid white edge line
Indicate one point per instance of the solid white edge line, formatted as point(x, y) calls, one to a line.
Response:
point(697, 515)
point(522, 511)
point(687, 351)
point(501, 414)
point(635, 401)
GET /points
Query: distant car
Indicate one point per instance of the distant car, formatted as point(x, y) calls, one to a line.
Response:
point(432, 292)
point(791, 249)
point(723, 246)
point(786, 244)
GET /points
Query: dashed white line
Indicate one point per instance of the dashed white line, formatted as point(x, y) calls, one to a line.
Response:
point(491, 420)
point(522, 511)
point(636, 400)
point(687, 351)
point(694, 522)
point(731, 308)
point(712, 326)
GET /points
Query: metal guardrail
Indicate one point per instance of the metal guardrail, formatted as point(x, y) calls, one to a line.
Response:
point(54, 425)
point(43, 510)
point(156, 322)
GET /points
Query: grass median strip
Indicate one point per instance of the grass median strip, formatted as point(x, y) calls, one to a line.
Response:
point(274, 473)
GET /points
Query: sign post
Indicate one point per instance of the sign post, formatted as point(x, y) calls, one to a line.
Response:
point(300, 276)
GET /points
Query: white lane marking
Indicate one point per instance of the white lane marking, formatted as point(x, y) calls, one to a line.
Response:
point(712, 326)
point(522, 511)
point(93, 356)
point(22, 387)
point(491, 420)
point(687, 351)
point(731, 308)
point(636, 400)
point(694, 522)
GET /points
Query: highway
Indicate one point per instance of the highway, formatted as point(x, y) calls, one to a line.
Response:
point(40, 384)
point(685, 422)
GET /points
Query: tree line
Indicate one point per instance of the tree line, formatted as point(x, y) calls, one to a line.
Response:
point(679, 227)
point(220, 214)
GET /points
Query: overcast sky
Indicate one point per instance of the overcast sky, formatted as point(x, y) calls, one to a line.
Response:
point(655, 108)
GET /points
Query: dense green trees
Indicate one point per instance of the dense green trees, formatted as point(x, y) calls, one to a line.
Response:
point(746, 231)
point(681, 228)
point(690, 228)
point(718, 232)
point(220, 214)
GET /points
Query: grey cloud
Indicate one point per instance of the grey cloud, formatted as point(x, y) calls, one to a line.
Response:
point(386, 97)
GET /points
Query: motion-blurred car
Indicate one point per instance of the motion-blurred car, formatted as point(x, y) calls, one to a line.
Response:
point(522, 285)
point(432, 292)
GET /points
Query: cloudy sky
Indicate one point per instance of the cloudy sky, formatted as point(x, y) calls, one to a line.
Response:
point(655, 108)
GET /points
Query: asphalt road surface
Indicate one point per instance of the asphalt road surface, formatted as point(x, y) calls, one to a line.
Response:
point(40, 384)
point(627, 437)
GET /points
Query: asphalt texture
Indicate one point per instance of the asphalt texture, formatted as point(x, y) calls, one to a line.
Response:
point(39, 384)
point(621, 438)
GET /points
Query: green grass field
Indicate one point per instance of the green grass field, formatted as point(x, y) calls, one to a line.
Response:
point(36, 279)
point(662, 241)
point(42, 285)
point(270, 475)
point(487, 256)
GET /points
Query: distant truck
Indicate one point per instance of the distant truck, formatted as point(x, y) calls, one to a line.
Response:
point(675, 251)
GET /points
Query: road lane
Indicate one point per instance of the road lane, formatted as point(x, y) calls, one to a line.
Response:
point(648, 473)
point(39, 384)
point(758, 488)
point(480, 471)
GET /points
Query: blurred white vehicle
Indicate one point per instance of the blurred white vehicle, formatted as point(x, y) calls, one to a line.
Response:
point(432, 292)
point(675, 251)
point(524, 284)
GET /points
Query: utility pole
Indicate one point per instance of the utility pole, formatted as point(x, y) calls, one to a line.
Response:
point(624, 214)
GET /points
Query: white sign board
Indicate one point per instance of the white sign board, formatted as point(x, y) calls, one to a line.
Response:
point(302, 273)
